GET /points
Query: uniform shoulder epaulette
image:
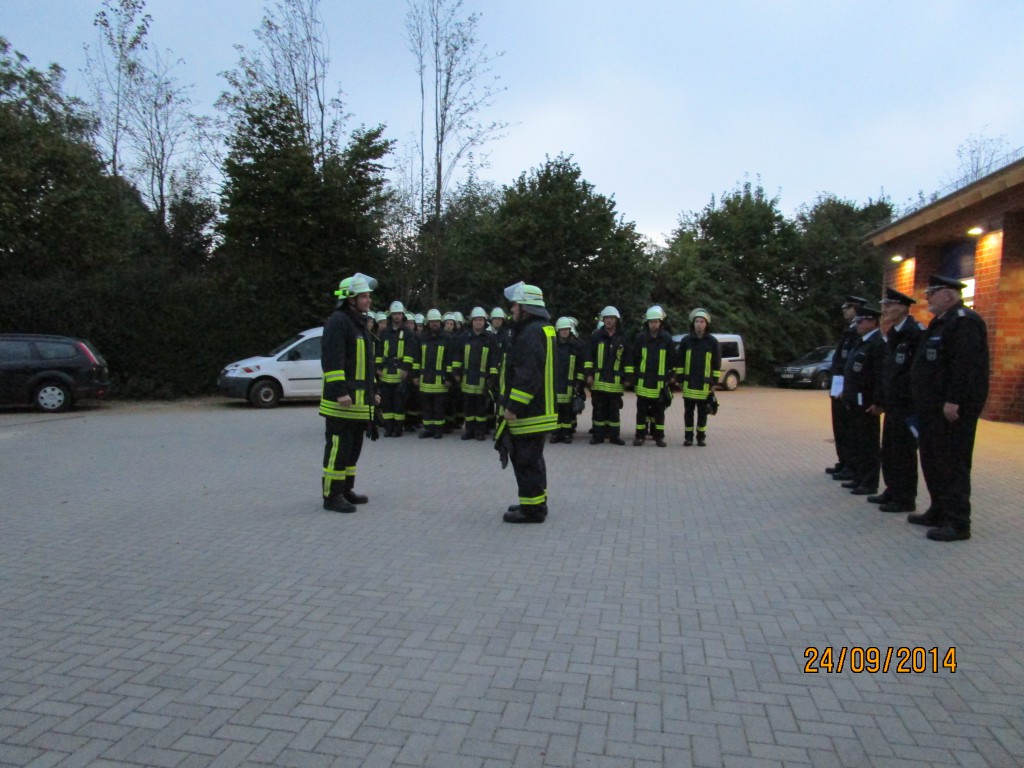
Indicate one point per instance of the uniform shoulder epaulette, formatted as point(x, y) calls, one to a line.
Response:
point(961, 312)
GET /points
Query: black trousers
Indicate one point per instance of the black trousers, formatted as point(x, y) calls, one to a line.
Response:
point(526, 454)
point(607, 406)
point(899, 458)
point(841, 430)
point(476, 407)
point(691, 404)
point(864, 433)
point(650, 408)
point(947, 449)
point(343, 440)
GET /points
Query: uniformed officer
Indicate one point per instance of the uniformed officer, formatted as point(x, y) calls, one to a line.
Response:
point(899, 445)
point(949, 384)
point(654, 363)
point(840, 414)
point(527, 393)
point(348, 397)
point(862, 396)
point(608, 368)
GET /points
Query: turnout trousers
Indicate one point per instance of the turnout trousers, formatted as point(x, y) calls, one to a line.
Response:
point(343, 440)
point(606, 407)
point(691, 404)
point(392, 406)
point(899, 458)
point(947, 449)
point(650, 408)
point(526, 454)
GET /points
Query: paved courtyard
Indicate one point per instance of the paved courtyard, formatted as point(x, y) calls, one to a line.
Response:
point(171, 594)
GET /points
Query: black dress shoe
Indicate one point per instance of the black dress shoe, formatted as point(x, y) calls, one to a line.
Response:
point(949, 533)
point(843, 475)
point(354, 498)
point(895, 506)
point(880, 498)
point(339, 504)
point(861, 490)
point(930, 518)
point(852, 484)
point(833, 469)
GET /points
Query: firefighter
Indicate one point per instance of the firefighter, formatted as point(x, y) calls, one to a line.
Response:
point(475, 365)
point(698, 368)
point(434, 375)
point(499, 328)
point(569, 359)
point(654, 362)
point(608, 369)
point(527, 397)
point(397, 351)
point(348, 397)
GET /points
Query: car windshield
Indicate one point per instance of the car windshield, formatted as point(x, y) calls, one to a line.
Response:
point(282, 347)
point(816, 356)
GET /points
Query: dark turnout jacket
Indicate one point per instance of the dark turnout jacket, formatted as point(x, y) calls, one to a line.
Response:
point(528, 377)
point(346, 357)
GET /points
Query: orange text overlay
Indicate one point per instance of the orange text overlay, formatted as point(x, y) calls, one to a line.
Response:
point(902, 660)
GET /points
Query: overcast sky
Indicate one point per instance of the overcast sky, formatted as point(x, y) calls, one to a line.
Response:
point(662, 104)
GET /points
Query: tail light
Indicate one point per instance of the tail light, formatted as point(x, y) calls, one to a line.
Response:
point(87, 352)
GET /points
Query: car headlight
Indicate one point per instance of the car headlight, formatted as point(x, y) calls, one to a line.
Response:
point(809, 371)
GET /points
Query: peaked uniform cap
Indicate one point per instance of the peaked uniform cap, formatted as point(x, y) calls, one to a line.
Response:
point(893, 296)
point(936, 282)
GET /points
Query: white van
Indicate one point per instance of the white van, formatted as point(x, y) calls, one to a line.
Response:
point(734, 358)
point(291, 371)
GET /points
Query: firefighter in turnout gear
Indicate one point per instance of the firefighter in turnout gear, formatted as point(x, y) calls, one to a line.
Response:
point(569, 359)
point(397, 350)
point(527, 399)
point(698, 368)
point(608, 368)
point(434, 375)
point(476, 366)
point(348, 397)
point(654, 362)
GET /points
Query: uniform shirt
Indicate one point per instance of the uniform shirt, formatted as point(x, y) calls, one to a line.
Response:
point(654, 362)
point(900, 346)
point(346, 357)
point(863, 374)
point(951, 364)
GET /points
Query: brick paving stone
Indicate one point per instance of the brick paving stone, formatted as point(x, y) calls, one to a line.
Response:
point(165, 604)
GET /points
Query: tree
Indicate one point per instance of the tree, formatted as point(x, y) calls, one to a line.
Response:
point(977, 157)
point(113, 70)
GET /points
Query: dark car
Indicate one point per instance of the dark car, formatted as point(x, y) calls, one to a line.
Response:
point(812, 370)
point(50, 372)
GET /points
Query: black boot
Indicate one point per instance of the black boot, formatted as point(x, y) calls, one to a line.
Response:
point(526, 514)
point(338, 503)
point(702, 439)
point(350, 495)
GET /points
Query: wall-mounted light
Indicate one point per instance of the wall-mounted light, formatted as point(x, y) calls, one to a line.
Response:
point(896, 258)
point(975, 231)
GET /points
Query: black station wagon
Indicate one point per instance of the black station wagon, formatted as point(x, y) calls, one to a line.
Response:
point(50, 372)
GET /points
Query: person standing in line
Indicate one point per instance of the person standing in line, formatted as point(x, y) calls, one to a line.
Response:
point(348, 396)
point(568, 379)
point(475, 364)
point(608, 369)
point(949, 383)
point(698, 368)
point(397, 350)
point(899, 445)
point(654, 363)
point(842, 470)
point(434, 375)
point(862, 397)
point(527, 397)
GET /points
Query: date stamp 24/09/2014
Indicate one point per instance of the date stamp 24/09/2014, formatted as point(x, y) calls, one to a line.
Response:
point(870, 658)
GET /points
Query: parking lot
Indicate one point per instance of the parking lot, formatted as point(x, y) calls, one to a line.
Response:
point(173, 595)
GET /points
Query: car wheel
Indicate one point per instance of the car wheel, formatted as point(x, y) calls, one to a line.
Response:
point(822, 380)
point(265, 393)
point(731, 380)
point(52, 397)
